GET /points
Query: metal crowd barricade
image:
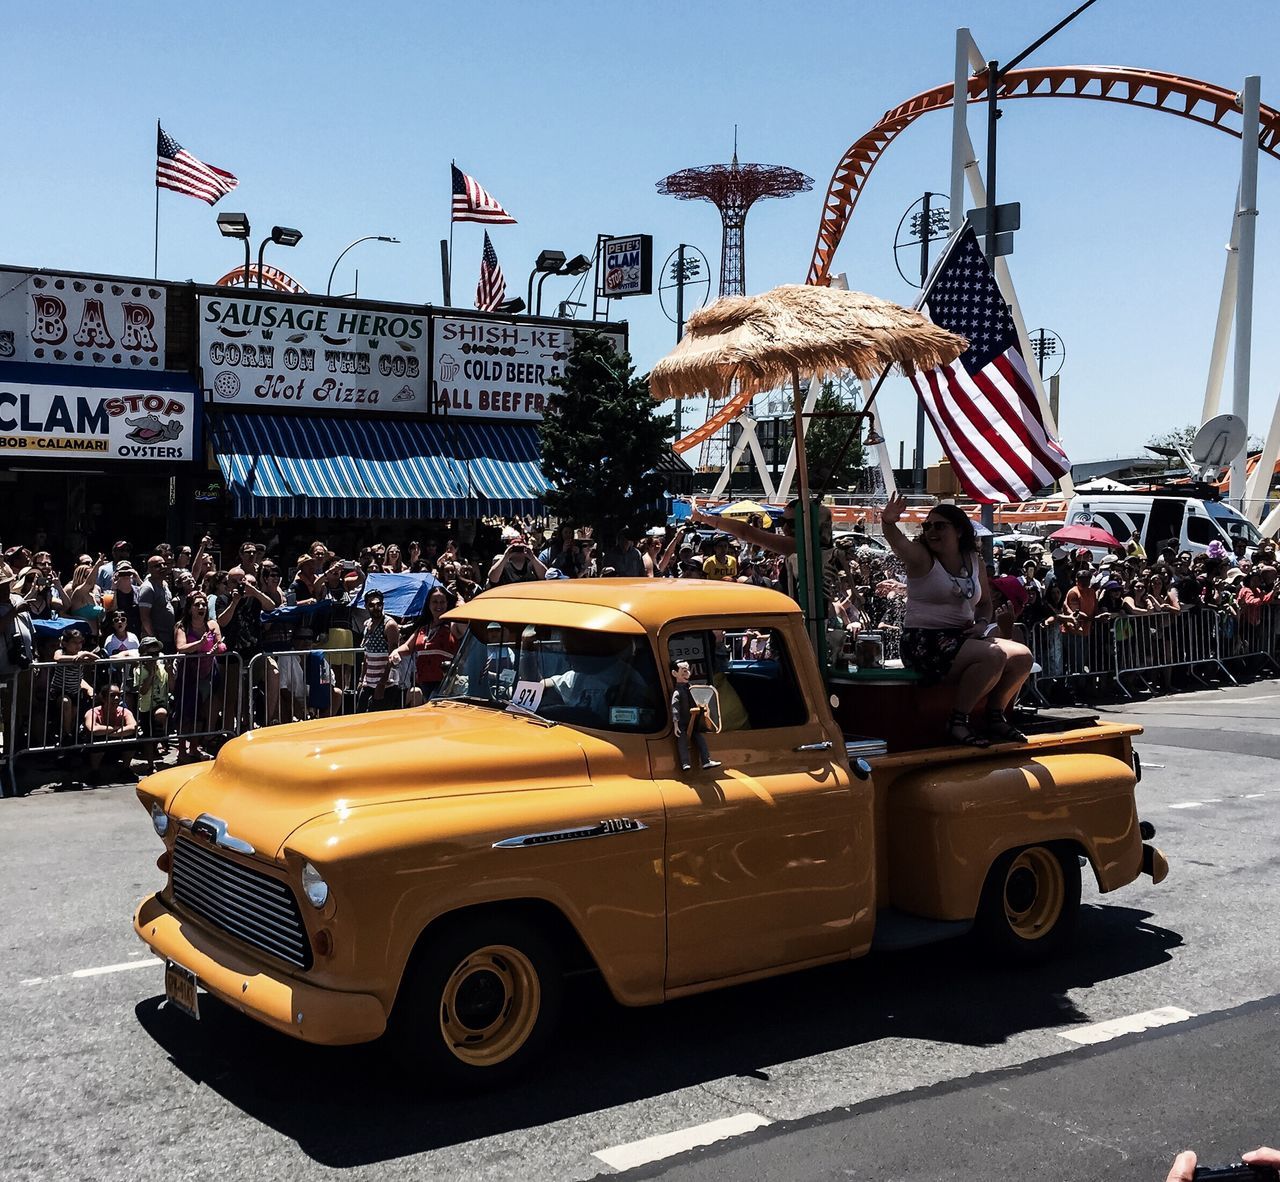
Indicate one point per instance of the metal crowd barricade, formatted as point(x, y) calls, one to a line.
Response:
point(171, 697)
point(291, 685)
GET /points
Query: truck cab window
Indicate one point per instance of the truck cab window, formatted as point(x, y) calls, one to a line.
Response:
point(751, 671)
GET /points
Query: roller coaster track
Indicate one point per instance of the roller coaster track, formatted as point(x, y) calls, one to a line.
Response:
point(1201, 102)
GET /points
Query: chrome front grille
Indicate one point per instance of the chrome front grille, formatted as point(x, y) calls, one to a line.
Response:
point(244, 903)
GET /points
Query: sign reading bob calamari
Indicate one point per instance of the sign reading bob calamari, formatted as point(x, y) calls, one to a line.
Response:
point(294, 356)
point(70, 422)
point(499, 369)
point(49, 318)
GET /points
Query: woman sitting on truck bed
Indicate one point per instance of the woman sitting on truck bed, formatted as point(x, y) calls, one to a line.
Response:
point(947, 634)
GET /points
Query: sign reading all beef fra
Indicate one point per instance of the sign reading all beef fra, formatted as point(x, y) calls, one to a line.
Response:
point(304, 356)
point(498, 369)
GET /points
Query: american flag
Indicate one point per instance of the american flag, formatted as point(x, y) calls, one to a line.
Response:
point(492, 288)
point(983, 405)
point(472, 204)
point(180, 171)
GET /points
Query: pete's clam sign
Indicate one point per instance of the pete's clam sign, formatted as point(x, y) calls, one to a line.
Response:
point(55, 319)
point(498, 369)
point(294, 356)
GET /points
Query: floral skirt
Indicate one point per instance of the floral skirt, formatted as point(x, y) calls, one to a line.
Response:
point(931, 651)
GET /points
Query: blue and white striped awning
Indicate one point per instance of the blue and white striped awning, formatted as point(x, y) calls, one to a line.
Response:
point(295, 465)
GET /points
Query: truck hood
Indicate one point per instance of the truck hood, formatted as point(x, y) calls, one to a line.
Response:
point(267, 783)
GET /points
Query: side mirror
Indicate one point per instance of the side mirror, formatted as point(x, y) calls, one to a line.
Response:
point(861, 768)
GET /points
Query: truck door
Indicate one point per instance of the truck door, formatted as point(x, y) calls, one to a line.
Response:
point(769, 858)
point(1165, 526)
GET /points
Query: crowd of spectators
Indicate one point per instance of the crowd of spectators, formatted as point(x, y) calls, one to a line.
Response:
point(163, 621)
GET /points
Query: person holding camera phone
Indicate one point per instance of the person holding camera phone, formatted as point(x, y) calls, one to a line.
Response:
point(1264, 1160)
point(516, 564)
point(563, 553)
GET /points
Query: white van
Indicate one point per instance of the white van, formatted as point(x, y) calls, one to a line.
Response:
point(1188, 523)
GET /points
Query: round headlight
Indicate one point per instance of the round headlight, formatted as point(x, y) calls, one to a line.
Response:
point(315, 887)
point(159, 820)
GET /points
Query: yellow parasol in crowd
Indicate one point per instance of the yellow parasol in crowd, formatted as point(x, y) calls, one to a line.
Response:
point(761, 341)
point(741, 510)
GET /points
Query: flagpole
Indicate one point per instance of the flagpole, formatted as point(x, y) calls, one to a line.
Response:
point(452, 165)
point(155, 260)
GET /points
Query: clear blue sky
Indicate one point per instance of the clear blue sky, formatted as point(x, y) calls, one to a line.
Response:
point(341, 119)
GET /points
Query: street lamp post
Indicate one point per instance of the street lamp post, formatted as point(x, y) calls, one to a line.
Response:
point(328, 290)
point(236, 225)
point(575, 266)
point(281, 236)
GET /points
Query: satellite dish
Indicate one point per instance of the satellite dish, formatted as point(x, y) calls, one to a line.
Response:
point(1217, 443)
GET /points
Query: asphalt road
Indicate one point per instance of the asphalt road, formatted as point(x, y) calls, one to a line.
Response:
point(927, 1064)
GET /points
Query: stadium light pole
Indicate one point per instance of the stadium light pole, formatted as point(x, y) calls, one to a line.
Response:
point(236, 225)
point(281, 236)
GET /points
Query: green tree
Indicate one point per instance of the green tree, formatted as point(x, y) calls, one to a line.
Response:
point(826, 438)
point(602, 441)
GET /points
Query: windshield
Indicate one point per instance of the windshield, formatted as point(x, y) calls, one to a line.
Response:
point(602, 680)
point(1235, 525)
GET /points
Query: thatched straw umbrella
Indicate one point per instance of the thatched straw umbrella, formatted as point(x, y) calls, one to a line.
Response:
point(760, 341)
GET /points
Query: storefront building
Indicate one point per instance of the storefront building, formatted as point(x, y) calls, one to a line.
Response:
point(100, 421)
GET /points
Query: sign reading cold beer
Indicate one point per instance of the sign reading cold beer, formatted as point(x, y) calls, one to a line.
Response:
point(80, 320)
point(303, 356)
point(498, 369)
point(72, 422)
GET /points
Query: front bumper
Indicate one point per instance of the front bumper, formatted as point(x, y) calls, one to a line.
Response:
point(270, 996)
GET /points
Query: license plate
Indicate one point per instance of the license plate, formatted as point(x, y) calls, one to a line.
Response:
point(180, 989)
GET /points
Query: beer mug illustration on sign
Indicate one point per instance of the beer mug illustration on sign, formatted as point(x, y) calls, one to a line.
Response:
point(448, 367)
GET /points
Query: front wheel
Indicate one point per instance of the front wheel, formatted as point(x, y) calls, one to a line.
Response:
point(1030, 903)
point(478, 1003)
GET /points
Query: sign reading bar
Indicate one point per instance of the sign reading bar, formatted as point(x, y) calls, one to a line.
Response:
point(628, 266)
point(499, 369)
point(304, 356)
point(81, 320)
point(72, 422)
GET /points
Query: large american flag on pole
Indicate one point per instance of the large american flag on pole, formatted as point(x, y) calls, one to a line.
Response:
point(180, 171)
point(983, 405)
point(471, 203)
point(492, 288)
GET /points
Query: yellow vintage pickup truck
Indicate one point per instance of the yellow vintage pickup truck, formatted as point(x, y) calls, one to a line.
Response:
point(435, 871)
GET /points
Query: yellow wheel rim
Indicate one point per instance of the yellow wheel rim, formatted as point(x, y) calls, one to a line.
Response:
point(490, 1005)
point(1034, 893)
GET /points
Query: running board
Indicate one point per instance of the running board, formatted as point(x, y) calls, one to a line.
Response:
point(897, 930)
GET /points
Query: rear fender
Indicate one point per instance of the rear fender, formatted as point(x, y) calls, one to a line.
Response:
point(948, 823)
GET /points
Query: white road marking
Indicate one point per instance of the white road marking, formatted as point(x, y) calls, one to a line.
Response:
point(639, 1153)
point(1188, 804)
point(1133, 1024)
point(1253, 795)
point(101, 970)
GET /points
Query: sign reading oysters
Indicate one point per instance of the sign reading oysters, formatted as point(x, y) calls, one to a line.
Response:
point(294, 355)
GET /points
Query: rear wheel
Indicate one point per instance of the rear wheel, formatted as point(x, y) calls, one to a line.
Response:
point(1030, 903)
point(478, 1003)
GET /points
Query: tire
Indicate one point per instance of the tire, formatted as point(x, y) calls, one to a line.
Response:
point(1030, 903)
point(478, 1003)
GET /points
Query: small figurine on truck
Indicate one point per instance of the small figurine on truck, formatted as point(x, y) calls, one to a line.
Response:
point(435, 871)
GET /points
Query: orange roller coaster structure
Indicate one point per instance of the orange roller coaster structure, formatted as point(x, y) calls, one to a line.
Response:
point(1201, 102)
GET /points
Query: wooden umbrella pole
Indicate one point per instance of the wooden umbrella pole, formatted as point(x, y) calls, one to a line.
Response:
point(807, 561)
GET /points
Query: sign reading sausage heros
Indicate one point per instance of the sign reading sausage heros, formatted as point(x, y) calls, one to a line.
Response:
point(67, 422)
point(287, 355)
point(70, 320)
point(498, 369)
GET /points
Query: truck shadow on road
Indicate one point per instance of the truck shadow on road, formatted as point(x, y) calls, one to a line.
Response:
point(346, 1107)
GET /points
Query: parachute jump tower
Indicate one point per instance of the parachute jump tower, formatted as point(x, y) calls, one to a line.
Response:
point(733, 189)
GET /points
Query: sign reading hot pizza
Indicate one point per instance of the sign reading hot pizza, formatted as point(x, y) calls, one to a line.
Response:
point(296, 356)
point(75, 422)
point(499, 369)
point(53, 319)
